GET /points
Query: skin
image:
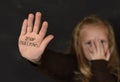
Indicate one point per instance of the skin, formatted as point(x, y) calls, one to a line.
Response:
point(94, 41)
point(33, 40)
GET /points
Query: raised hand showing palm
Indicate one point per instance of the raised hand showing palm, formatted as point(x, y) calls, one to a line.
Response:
point(32, 40)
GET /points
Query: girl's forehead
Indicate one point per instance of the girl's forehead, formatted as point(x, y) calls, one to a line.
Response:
point(93, 28)
point(93, 31)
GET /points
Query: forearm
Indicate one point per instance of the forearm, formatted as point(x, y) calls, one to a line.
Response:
point(101, 72)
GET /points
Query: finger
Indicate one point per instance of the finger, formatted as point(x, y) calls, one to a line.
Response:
point(88, 53)
point(45, 42)
point(90, 48)
point(37, 22)
point(30, 22)
point(101, 48)
point(94, 47)
point(43, 30)
point(103, 45)
point(97, 45)
point(24, 27)
point(108, 55)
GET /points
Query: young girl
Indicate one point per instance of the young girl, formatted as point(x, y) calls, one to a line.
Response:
point(93, 41)
point(92, 54)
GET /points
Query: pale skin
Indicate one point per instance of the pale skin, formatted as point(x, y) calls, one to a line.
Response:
point(95, 42)
point(33, 41)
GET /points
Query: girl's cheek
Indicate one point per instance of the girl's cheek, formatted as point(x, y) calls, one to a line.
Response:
point(83, 47)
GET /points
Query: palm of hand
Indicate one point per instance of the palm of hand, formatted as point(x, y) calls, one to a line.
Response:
point(29, 44)
point(32, 41)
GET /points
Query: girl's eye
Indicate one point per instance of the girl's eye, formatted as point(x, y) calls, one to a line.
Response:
point(102, 41)
point(89, 43)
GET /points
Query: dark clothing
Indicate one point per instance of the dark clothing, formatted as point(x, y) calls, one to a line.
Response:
point(101, 73)
point(61, 67)
point(58, 66)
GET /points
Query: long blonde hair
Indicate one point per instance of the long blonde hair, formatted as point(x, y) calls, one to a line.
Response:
point(84, 72)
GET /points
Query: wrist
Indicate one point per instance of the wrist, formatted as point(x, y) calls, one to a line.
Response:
point(100, 65)
point(34, 61)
